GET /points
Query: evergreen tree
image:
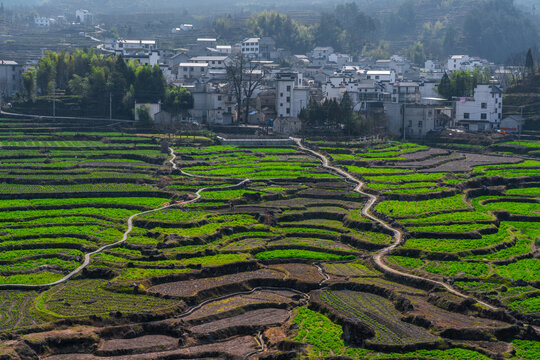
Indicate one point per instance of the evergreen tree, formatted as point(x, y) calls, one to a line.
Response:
point(145, 121)
point(445, 87)
point(347, 114)
point(178, 101)
point(89, 80)
point(529, 62)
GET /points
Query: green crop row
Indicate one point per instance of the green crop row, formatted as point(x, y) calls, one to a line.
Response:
point(300, 254)
point(457, 268)
point(105, 234)
point(411, 208)
point(18, 266)
point(457, 228)
point(216, 223)
point(141, 274)
point(444, 268)
point(530, 144)
point(21, 254)
point(526, 269)
point(56, 221)
point(112, 213)
point(31, 279)
point(528, 232)
point(520, 208)
point(417, 191)
point(407, 262)
point(530, 305)
point(382, 186)
point(134, 201)
point(226, 194)
point(523, 164)
point(533, 191)
point(72, 176)
point(407, 177)
point(371, 171)
point(43, 144)
point(449, 217)
point(511, 174)
point(40, 189)
point(180, 215)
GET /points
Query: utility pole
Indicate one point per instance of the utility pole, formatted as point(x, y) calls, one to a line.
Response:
point(520, 126)
point(110, 106)
point(403, 120)
point(54, 100)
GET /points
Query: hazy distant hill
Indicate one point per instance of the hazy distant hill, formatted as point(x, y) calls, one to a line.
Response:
point(215, 6)
point(10, 3)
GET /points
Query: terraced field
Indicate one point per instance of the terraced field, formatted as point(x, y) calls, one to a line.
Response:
point(242, 252)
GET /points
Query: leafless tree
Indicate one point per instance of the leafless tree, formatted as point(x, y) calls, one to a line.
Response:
point(244, 78)
point(235, 77)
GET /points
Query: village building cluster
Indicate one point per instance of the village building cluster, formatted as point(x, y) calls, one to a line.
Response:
point(403, 95)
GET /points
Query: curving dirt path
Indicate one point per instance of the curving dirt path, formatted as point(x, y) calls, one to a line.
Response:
point(88, 256)
point(378, 257)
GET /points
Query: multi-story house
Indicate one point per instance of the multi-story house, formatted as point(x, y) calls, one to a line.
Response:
point(291, 95)
point(191, 71)
point(84, 17)
point(42, 22)
point(250, 47)
point(322, 52)
point(10, 78)
point(213, 62)
point(481, 112)
point(455, 62)
point(381, 75)
point(405, 92)
point(212, 103)
point(127, 46)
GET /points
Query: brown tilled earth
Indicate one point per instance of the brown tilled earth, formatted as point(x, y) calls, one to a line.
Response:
point(254, 319)
point(193, 287)
point(236, 348)
point(445, 319)
point(472, 160)
point(222, 307)
point(301, 272)
point(144, 344)
point(425, 154)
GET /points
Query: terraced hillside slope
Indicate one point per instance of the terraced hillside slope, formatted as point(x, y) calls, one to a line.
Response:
point(262, 252)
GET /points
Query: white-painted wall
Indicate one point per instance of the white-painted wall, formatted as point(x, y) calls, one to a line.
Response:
point(483, 111)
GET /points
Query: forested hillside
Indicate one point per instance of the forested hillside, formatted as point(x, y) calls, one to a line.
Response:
point(493, 29)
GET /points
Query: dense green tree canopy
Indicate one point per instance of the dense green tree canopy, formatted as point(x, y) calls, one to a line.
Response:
point(462, 83)
point(285, 31)
point(178, 100)
point(93, 81)
point(346, 29)
point(495, 29)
